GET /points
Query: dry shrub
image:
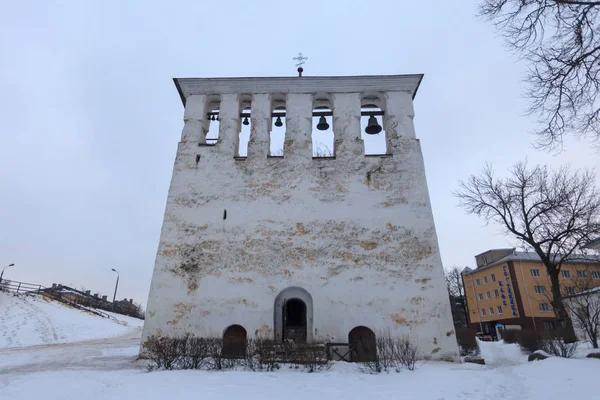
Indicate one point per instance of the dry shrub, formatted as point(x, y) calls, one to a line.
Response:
point(510, 335)
point(262, 355)
point(310, 357)
point(558, 347)
point(529, 341)
point(190, 352)
point(391, 354)
point(163, 352)
point(467, 342)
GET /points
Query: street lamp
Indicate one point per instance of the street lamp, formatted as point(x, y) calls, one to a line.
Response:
point(2, 274)
point(116, 286)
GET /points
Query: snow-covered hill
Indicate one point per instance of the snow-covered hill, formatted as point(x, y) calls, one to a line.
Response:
point(29, 320)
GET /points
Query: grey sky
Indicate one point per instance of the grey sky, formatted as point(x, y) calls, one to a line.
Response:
point(90, 118)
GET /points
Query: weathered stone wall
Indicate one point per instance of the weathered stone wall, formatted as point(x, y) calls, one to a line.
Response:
point(355, 232)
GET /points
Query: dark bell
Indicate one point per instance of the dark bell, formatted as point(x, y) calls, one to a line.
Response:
point(322, 125)
point(278, 122)
point(246, 122)
point(373, 127)
point(212, 117)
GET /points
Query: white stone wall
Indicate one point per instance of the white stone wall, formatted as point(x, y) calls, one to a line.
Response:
point(356, 232)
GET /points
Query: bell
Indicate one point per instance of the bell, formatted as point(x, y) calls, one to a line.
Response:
point(373, 127)
point(213, 118)
point(322, 125)
point(246, 122)
point(278, 122)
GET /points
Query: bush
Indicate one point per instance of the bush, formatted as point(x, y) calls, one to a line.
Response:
point(510, 335)
point(311, 357)
point(190, 352)
point(558, 347)
point(392, 354)
point(529, 341)
point(467, 342)
point(163, 352)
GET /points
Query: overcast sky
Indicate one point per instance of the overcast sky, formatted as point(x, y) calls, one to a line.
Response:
point(90, 118)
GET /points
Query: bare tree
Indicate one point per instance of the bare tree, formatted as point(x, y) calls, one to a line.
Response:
point(560, 40)
point(552, 213)
point(584, 306)
point(456, 290)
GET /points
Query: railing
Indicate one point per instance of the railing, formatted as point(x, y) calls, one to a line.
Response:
point(20, 287)
point(32, 288)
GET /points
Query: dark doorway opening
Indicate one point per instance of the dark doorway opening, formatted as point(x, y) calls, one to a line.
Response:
point(294, 320)
point(362, 343)
point(234, 342)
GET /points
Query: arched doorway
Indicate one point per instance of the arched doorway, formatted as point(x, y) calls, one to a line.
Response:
point(294, 320)
point(363, 343)
point(293, 315)
point(234, 342)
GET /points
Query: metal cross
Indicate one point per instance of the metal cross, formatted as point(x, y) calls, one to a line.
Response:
point(300, 58)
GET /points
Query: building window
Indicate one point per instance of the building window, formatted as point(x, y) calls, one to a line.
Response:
point(480, 296)
point(540, 289)
point(596, 274)
point(491, 310)
point(499, 309)
point(581, 274)
point(477, 282)
point(570, 290)
point(484, 280)
point(544, 307)
point(566, 274)
point(483, 312)
point(496, 293)
point(549, 325)
point(487, 295)
point(535, 272)
point(493, 277)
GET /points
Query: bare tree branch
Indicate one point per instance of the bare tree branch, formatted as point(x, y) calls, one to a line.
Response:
point(560, 40)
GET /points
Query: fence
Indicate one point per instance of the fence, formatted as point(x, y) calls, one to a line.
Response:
point(20, 287)
point(32, 288)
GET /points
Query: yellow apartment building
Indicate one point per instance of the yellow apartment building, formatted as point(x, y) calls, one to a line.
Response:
point(511, 289)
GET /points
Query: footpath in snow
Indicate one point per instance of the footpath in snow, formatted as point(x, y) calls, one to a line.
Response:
point(106, 368)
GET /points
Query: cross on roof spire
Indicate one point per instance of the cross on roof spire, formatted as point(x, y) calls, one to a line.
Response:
point(300, 58)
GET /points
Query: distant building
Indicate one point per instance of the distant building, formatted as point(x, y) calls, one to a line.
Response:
point(511, 289)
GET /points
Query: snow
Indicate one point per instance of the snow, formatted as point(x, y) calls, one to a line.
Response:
point(107, 368)
point(29, 320)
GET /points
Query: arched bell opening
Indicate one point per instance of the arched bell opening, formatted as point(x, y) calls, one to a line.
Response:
point(363, 344)
point(235, 340)
point(371, 122)
point(245, 125)
point(277, 133)
point(212, 117)
point(322, 127)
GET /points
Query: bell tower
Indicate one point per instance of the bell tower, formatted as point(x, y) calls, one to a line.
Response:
point(315, 249)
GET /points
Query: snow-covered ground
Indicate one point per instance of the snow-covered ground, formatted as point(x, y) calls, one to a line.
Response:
point(28, 320)
point(107, 369)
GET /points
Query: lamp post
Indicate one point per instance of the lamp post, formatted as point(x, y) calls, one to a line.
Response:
point(2, 274)
point(116, 286)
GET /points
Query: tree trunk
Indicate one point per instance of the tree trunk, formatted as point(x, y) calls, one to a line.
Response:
point(565, 328)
